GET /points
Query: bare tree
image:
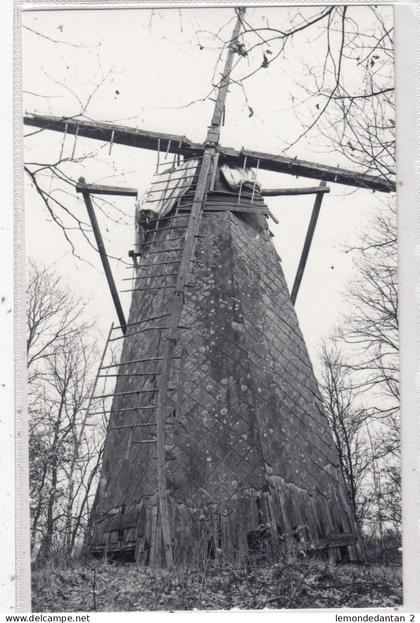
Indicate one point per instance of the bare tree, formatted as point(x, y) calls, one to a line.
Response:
point(353, 95)
point(371, 327)
point(65, 440)
point(347, 421)
point(365, 379)
point(53, 314)
point(53, 179)
point(350, 108)
point(370, 470)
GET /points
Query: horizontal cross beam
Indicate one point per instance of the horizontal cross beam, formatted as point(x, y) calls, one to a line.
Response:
point(100, 189)
point(287, 192)
point(175, 144)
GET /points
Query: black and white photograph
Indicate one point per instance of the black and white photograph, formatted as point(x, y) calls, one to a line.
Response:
point(212, 317)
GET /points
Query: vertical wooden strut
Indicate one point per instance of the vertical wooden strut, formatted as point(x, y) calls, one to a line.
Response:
point(176, 305)
point(308, 242)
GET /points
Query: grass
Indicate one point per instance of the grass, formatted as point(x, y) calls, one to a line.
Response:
point(104, 586)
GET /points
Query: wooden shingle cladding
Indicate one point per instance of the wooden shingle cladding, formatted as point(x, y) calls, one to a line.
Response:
point(252, 471)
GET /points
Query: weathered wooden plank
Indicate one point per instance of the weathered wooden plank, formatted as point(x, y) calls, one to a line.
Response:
point(304, 168)
point(286, 192)
point(123, 135)
point(225, 207)
point(102, 252)
point(100, 189)
point(219, 108)
point(154, 528)
point(337, 540)
point(307, 244)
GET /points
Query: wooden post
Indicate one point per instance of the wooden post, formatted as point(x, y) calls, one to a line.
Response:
point(308, 242)
point(331, 557)
point(218, 113)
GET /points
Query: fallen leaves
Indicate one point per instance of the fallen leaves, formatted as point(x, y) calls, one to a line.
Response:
point(107, 586)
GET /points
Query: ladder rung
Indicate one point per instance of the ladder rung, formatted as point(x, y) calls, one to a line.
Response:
point(162, 241)
point(132, 425)
point(139, 425)
point(174, 168)
point(146, 441)
point(156, 264)
point(121, 337)
point(165, 189)
point(152, 231)
point(147, 329)
point(149, 276)
point(177, 170)
point(160, 200)
point(124, 363)
point(130, 324)
point(171, 179)
point(117, 411)
point(169, 218)
point(179, 177)
point(165, 250)
point(145, 290)
point(110, 376)
point(167, 184)
point(137, 391)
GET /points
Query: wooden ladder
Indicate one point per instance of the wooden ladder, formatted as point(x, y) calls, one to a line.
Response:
point(175, 269)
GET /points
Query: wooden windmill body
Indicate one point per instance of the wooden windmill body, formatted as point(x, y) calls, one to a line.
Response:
point(217, 444)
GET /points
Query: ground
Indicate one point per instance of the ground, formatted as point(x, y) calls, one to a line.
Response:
point(103, 586)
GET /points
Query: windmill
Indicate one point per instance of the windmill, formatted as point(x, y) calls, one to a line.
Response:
point(217, 444)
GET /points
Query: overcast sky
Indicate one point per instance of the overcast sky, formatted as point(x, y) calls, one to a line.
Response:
point(151, 66)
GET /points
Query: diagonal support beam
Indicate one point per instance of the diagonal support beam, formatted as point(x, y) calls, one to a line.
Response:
point(176, 144)
point(308, 242)
point(83, 188)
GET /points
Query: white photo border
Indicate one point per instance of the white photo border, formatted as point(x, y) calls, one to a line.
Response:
point(14, 512)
